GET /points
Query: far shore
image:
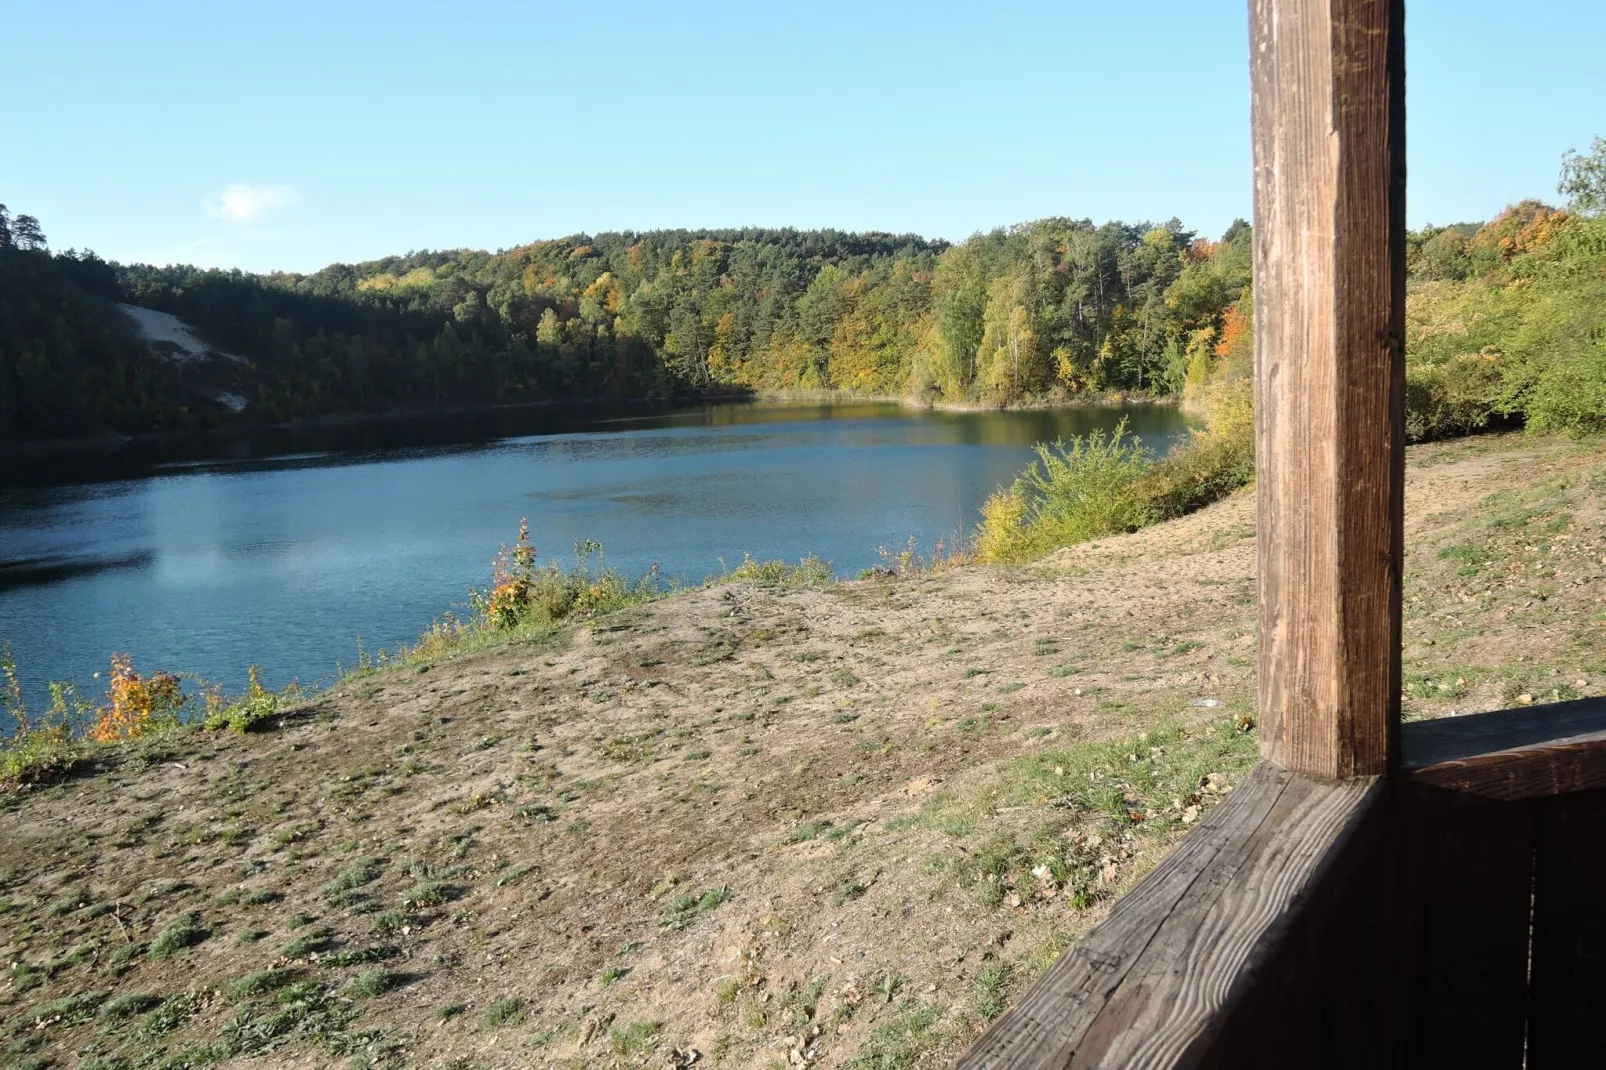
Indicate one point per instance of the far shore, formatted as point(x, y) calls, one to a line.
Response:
point(106, 442)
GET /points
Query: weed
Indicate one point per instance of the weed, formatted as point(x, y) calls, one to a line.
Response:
point(448, 1011)
point(260, 983)
point(365, 871)
point(171, 1013)
point(185, 932)
point(388, 923)
point(810, 571)
point(634, 1038)
point(372, 983)
point(68, 1010)
point(360, 956)
point(308, 944)
point(430, 893)
point(256, 707)
point(504, 1011)
point(689, 906)
point(808, 830)
point(127, 1006)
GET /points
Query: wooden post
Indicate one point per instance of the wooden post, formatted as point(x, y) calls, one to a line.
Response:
point(1328, 104)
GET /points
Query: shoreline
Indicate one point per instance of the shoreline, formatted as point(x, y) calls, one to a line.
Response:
point(107, 443)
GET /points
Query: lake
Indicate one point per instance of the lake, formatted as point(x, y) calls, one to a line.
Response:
point(282, 548)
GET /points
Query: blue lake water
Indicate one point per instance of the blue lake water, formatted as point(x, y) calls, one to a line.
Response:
point(284, 549)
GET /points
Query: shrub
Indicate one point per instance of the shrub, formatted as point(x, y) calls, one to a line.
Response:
point(253, 708)
point(1454, 397)
point(137, 705)
point(1075, 491)
point(43, 750)
point(523, 594)
point(1107, 485)
point(810, 571)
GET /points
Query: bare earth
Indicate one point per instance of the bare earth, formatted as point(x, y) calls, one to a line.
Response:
point(743, 826)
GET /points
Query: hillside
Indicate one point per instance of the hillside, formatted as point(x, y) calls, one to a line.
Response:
point(751, 825)
point(1505, 322)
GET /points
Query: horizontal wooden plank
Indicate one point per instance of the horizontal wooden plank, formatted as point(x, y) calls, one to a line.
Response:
point(1525, 753)
point(1149, 986)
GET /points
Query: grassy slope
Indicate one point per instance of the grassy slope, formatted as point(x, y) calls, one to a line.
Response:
point(848, 821)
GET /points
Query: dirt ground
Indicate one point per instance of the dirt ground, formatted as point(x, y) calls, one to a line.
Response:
point(745, 826)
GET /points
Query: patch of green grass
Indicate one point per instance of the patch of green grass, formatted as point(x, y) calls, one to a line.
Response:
point(902, 1043)
point(504, 1011)
point(24, 977)
point(430, 893)
point(1469, 560)
point(308, 944)
point(388, 923)
point(808, 830)
point(989, 992)
point(173, 1012)
point(446, 1012)
point(185, 932)
point(68, 1010)
point(373, 983)
point(365, 871)
point(689, 906)
point(260, 983)
point(359, 956)
point(305, 1010)
point(634, 1038)
point(127, 1006)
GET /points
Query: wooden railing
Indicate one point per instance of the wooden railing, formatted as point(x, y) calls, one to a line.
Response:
point(1452, 915)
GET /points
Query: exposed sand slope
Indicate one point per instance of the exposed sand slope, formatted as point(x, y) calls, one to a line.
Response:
point(172, 338)
point(833, 827)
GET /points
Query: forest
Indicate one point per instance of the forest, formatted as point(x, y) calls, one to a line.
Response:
point(1506, 321)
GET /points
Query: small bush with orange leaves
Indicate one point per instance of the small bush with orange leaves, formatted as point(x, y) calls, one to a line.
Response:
point(137, 705)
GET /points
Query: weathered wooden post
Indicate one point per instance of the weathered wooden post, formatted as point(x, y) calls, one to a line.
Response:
point(1270, 936)
point(1328, 106)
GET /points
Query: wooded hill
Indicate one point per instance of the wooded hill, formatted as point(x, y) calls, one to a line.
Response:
point(1505, 315)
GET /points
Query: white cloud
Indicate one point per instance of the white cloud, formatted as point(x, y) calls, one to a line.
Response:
point(245, 203)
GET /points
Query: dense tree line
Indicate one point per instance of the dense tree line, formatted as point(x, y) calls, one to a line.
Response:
point(69, 361)
point(1056, 308)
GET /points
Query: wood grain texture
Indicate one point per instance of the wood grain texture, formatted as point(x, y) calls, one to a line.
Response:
point(1328, 100)
point(1514, 754)
point(1152, 986)
point(1567, 986)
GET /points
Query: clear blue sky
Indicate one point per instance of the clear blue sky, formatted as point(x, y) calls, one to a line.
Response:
point(292, 134)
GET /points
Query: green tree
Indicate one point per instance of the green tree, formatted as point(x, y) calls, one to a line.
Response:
point(1583, 180)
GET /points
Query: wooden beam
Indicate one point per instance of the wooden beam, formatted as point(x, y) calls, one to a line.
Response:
point(1511, 755)
point(1181, 954)
point(1328, 103)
